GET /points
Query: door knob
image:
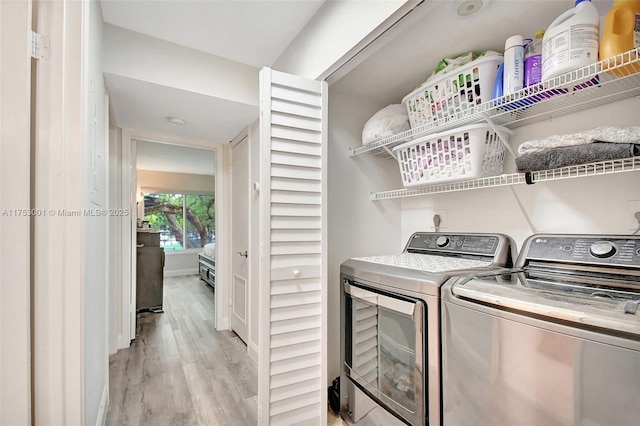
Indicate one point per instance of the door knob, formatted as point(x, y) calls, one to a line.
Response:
point(243, 253)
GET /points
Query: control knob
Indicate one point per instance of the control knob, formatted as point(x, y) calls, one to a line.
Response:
point(442, 241)
point(602, 249)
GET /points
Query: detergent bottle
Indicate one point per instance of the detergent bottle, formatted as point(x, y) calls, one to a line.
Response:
point(533, 60)
point(621, 33)
point(571, 41)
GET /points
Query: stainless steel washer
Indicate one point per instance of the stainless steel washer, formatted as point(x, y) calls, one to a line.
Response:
point(391, 325)
point(554, 342)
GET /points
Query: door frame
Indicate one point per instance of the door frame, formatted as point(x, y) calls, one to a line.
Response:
point(242, 136)
point(15, 193)
point(126, 305)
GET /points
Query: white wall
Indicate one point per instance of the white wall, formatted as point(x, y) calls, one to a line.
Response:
point(140, 57)
point(598, 204)
point(332, 33)
point(186, 183)
point(96, 362)
point(180, 263)
point(356, 225)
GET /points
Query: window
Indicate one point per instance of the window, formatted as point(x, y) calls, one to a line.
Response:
point(167, 213)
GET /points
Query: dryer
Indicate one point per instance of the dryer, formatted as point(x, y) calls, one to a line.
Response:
point(390, 316)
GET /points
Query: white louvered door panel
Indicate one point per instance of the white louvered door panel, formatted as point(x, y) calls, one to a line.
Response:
point(292, 361)
point(365, 336)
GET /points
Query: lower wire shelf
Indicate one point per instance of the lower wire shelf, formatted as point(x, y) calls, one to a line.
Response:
point(582, 170)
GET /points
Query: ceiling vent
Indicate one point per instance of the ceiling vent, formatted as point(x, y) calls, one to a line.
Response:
point(469, 7)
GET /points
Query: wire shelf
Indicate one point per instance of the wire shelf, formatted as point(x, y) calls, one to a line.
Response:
point(582, 170)
point(604, 82)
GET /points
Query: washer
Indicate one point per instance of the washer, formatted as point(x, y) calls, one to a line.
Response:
point(554, 341)
point(390, 316)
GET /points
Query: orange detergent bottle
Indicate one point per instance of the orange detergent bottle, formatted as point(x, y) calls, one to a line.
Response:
point(621, 34)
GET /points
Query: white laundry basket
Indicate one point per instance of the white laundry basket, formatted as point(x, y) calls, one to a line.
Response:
point(454, 92)
point(464, 153)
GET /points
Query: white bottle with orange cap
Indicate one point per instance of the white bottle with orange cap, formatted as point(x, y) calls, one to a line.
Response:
point(571, 41)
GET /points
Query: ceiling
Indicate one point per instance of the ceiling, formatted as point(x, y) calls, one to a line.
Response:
point(148, 106)
point(251, 34)
point(173, 158)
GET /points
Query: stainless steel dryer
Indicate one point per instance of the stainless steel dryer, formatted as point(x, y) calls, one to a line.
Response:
point(554, 342)
point(390, 315)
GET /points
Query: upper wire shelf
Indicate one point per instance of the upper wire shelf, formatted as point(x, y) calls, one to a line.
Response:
point(598, 84)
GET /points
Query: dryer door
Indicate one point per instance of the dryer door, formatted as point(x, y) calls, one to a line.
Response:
point(384, 348)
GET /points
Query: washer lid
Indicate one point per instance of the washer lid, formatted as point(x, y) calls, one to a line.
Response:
point(584, 304)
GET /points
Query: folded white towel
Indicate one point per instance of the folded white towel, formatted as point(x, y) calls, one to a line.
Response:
point(600, 134)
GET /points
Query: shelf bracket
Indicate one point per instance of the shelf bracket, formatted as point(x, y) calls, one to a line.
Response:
point(528, 178)
point(499, 133)
point(389, 152)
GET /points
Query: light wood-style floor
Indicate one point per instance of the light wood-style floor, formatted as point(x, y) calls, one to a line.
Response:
point(181, 371)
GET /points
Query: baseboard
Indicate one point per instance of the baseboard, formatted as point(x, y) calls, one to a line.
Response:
point(252, 350)
point(104, 403)
point(223, 324)
point(181, 272)
point(122, 342)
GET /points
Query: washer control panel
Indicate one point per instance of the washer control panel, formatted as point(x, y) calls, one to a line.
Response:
point(614, 250)
point(456, 243)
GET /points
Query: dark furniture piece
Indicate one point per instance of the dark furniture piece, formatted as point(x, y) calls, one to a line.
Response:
point(207, 269)
point(149, 272)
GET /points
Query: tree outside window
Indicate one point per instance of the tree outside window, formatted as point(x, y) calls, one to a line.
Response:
point(184, 220)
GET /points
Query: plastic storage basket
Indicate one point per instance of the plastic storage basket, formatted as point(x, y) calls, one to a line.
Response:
point(464, 153)
point(453, 92)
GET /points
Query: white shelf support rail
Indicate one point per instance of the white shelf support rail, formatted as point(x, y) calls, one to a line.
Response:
point(583, 170)
point(500, 134)
point(386, 148)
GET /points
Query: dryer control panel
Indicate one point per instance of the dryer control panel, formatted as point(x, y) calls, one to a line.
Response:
point(599, 250)
point(421, 242)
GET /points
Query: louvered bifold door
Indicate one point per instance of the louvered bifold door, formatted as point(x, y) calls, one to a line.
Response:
point(293, 285)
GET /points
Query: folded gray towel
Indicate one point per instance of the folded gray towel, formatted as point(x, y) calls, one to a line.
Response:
point(573, 155)
point(599, 134)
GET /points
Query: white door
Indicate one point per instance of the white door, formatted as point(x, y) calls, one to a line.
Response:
point(292, 361)
point(240, 237)
point(15, 294)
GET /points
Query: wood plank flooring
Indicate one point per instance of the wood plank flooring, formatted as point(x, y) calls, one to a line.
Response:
point(180, 370)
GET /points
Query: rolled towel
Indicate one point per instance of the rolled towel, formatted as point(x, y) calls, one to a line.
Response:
point(574, 155)
point(599, 134)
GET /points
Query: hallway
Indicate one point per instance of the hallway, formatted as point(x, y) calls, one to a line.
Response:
point(179, 370)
